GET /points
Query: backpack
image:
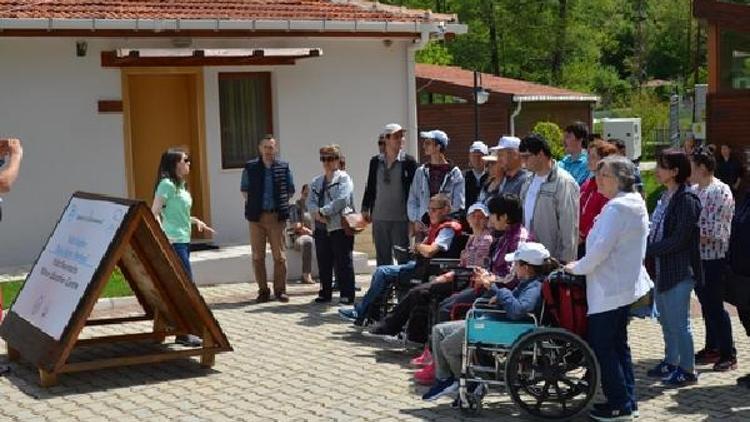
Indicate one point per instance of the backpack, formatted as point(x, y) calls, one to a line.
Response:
point(565, 304)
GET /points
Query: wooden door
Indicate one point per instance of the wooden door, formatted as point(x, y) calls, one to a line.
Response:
point(163, 112)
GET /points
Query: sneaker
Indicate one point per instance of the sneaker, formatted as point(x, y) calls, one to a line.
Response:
point(605, 405)
point(382, 332)
point(424, 359)
point(322, 299)
point(189, 340)
point(661, 370)
point(346, 301)
point(263, 297)
point(707, 357)
point(349, 314)
point(680, 378)
point(606, 413)
point(426, 375)
point(282, 297)
point(441, 388)
point(725, 364)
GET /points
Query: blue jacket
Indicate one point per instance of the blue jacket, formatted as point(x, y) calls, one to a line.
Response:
point(525, 298)
point(419, 194)
point(338, 198)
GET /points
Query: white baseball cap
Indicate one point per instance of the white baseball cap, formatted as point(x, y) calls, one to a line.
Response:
point(436, 135)
point(479, 146)
point(530, 252)
point(479, 207)
point(507, 142)
point(391, 128)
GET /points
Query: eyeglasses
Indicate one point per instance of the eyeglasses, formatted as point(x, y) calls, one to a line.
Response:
point(186, 160)
point(328, 158)
point(435, 209)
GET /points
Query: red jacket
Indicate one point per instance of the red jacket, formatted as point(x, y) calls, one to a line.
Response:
point(591, 205)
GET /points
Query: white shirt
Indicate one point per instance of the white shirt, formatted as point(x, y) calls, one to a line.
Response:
point(530, 203)
point(615, 248)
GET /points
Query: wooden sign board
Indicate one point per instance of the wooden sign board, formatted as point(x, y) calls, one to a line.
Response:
point(94, 235)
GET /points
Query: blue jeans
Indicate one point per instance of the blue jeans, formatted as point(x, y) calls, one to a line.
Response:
point(608, 337)
point(183, 251)
point(716, 318)
point(674, 316)
point(384, 276)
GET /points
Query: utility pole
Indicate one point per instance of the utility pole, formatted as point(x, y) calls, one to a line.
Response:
point(640, 48)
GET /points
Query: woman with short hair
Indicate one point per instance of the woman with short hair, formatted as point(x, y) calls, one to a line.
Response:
point(615, 279)
point(673, 244)
point(715, 230)
point(591, 201)
point(329, 200)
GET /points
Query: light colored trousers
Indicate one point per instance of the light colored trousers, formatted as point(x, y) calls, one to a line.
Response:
point(269, 229)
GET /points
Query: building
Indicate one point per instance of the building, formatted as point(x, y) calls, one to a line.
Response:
point(97, 90)
point(728, 100)
point(446, 93)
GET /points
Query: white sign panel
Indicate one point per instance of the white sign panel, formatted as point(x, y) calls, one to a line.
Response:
point(67, 264)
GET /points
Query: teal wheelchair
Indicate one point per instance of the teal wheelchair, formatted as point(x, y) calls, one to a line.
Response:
point(550, 373)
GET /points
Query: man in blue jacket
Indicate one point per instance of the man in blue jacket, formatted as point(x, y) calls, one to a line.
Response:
point(267, 187)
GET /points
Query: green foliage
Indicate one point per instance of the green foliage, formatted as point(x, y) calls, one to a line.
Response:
point(435, 53)
point(652, 190)
point(554, 135)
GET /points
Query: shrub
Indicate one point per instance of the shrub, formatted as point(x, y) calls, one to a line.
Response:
point(554, 135)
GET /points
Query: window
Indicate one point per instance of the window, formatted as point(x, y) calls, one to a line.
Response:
point(245, 115)
point(435, 98)
point(734, 62)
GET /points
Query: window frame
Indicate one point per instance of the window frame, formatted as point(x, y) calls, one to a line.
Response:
point(265, 78)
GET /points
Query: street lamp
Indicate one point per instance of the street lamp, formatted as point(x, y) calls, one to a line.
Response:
point(480, 97)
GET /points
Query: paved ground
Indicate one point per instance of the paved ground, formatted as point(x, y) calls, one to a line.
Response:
point(299, 361)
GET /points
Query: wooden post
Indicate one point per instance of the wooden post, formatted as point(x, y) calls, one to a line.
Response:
point(208, 357)
point(47, 379)
point(13, 354)
point(159, 327)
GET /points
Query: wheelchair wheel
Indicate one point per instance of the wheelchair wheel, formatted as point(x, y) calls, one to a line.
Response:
point(552, 374)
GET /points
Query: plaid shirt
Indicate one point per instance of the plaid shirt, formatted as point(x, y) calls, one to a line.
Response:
point(677, 249)
point(477, 250)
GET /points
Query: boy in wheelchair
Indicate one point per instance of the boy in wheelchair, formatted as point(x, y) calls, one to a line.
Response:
point(532, 263)
point(474, 255)
point(440, 236)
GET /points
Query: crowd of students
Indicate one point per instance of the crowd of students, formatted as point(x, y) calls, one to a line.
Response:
point(526, 214)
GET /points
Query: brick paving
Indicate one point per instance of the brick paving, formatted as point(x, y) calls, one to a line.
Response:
point(299, 361)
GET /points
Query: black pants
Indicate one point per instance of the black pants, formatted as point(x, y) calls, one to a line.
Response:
point(414, 309)
point(334, 253)
point(710, 295)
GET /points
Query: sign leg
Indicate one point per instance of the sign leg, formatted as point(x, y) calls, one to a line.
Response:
point(159, 327)
point(208, 358)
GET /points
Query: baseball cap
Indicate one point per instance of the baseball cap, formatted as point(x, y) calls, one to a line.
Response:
point(479, 207)
point(531, 252)
point(490, 157)
point(507, 142)
point(391, 128)
point(478, 146)
point(436, 135)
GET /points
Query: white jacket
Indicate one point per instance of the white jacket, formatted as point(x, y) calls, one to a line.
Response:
point(615, 248)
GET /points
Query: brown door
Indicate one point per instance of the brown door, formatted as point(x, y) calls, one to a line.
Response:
point(164, 113)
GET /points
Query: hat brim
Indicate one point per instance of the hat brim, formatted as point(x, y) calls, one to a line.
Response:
point(490, 158)
point(510, 257)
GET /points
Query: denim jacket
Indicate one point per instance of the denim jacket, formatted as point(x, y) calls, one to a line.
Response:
point(525, 298)
point(419, 194)
point(338, 198)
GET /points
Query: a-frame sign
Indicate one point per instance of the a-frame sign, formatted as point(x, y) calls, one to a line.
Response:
point(94, 234)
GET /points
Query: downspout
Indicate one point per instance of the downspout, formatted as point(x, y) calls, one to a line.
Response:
point(513, 116)
point(411, 89)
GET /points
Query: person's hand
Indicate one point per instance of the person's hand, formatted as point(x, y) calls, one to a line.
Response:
point(10, 146)
point(201, 226)
point(493, 300)
point(366, 215)
point(568, 268)
point(320, 218)
point(306, 230)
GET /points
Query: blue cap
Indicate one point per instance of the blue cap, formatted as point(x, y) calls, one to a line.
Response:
point(436, 135)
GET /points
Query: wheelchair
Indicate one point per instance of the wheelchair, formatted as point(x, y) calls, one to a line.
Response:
point(550, 373)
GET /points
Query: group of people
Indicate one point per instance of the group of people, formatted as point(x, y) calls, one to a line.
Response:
point(525, 214)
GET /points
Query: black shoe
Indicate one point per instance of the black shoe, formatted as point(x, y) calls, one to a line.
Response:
point(744, 381)
point(189, 340)
point(322, 299)
point(606, 413)
point(4, 369)
point(604, 406)
point(263, 297)
point(346, 301)
point(282, 297)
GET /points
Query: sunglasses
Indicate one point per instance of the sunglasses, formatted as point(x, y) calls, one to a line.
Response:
point(328, 159)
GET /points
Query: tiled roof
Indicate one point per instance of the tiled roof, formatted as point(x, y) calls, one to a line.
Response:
point(465, 78)
point(332, 10)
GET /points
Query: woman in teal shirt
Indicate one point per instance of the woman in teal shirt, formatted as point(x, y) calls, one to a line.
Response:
point(172, 203)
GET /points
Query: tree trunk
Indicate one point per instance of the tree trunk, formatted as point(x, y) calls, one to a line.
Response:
point(558, 55)
point(494, 50)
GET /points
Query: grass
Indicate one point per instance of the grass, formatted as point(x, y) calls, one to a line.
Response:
point(116, 287)
point(651, 188)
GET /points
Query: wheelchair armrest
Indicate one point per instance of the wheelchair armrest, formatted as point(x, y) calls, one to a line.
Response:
point(402, 254)
point(483, 306)
point(445, 263)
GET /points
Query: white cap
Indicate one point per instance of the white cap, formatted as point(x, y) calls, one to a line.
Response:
point(391, 128)
point(507, 142)
point(479, 146)
point(529, 252)
point(479, 207)
point(436, 135)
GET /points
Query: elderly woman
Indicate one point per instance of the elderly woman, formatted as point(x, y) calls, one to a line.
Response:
point(715, 227)
point(615, 279)
point(674, 242)
point(591, 202)
point(330, 198)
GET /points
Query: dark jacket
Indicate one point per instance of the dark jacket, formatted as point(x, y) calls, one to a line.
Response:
point(283, 189)
point(679, 247)
point(408, 167)
point(473, 187)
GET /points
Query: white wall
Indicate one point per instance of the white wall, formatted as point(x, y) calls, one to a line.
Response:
point(48, 98)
